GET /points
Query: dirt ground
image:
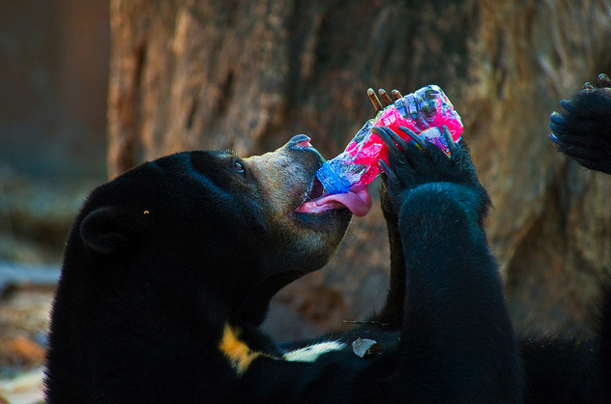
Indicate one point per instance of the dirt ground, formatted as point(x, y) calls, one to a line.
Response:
point(24, 321)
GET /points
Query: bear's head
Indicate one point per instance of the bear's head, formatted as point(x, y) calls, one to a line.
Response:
point(233, 230)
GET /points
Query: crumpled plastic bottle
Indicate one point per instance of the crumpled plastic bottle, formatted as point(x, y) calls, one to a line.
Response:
point(424, 112)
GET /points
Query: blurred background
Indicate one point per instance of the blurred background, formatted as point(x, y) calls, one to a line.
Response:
point(53, 82)
point(91, 88)
point(54, 64)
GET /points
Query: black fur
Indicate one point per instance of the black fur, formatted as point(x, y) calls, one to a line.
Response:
point(169, 270)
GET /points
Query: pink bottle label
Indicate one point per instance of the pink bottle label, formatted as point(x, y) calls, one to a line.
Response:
point(358, 164)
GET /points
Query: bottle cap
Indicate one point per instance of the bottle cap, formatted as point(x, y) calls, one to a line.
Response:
point(332, 182)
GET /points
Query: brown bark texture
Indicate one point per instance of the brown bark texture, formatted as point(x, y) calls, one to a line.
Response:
point(248, 74)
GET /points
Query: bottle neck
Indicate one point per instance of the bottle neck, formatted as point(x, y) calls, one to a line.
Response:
point(331, 181)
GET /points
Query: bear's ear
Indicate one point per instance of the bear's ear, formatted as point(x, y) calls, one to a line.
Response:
point(107, 230)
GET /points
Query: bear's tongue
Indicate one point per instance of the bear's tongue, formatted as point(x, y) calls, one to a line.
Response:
point(357, 200)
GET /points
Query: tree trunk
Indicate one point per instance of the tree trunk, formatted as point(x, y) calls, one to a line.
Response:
point(248, 74)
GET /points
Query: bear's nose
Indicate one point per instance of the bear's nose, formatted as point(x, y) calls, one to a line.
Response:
point(300, 140)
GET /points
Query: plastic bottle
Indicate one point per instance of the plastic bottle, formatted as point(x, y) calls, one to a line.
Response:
point(424, 112)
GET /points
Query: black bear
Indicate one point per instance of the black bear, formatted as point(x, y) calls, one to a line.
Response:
point(169, 270)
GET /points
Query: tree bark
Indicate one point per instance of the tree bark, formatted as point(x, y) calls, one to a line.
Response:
point(248, 74)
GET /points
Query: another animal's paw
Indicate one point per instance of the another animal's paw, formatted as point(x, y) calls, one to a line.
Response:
point(583, 132)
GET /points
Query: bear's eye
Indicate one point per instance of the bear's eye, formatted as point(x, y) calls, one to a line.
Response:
point(238, 166)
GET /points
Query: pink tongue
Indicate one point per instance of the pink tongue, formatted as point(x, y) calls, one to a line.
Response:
point(357, 200)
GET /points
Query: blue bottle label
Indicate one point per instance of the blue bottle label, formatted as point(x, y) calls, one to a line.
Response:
point(331, 181)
